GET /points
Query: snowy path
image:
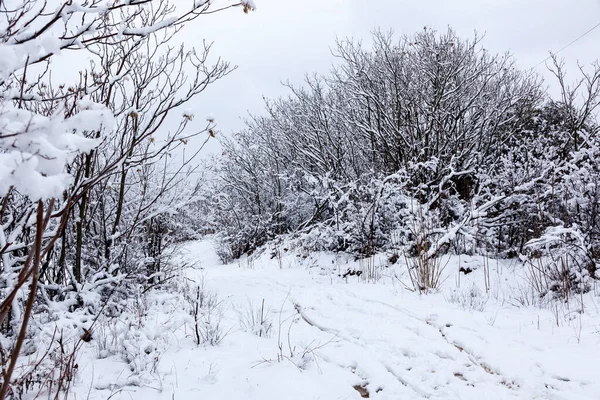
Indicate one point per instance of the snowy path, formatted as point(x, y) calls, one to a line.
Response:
point(393, 343)
point(402, 346)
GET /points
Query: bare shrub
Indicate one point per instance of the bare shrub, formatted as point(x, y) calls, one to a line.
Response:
point(50, 373)
point(424, 271)
point(207, 312)
point(371, 271)
point(256, 319)
point(223, 249)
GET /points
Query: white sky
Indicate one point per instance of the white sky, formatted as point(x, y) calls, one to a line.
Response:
point(284, 39)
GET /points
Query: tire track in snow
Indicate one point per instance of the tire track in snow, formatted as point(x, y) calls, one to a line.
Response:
point(475, 359)
point(550, 383)
point(338, 333)
point(437, 363)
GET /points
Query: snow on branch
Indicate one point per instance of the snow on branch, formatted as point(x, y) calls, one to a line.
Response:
point(147, 30)
point(34, 149)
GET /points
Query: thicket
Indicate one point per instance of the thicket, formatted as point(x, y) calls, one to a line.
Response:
point(427, 145)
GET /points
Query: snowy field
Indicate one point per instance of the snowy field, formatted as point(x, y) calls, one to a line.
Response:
point(292, 328)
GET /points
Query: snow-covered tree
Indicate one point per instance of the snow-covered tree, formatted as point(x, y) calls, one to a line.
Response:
point(83, 160)
point(429, 113)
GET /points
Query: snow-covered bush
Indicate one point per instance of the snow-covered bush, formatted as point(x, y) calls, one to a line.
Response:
point(559, 263)
point(555, 220)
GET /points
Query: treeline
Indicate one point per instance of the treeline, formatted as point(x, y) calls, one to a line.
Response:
point(428, 144)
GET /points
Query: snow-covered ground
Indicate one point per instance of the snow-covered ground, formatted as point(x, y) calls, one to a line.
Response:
point(327, 337)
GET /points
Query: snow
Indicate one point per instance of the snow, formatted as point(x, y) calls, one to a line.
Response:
point(200, 3)
point(37, 148)
point(330, 336)
point(250, 4)
point(147, 30)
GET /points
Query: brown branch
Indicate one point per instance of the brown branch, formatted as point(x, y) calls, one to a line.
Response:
point(39, 237)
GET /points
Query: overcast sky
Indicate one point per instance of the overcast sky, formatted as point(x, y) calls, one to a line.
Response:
point(284, 39)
